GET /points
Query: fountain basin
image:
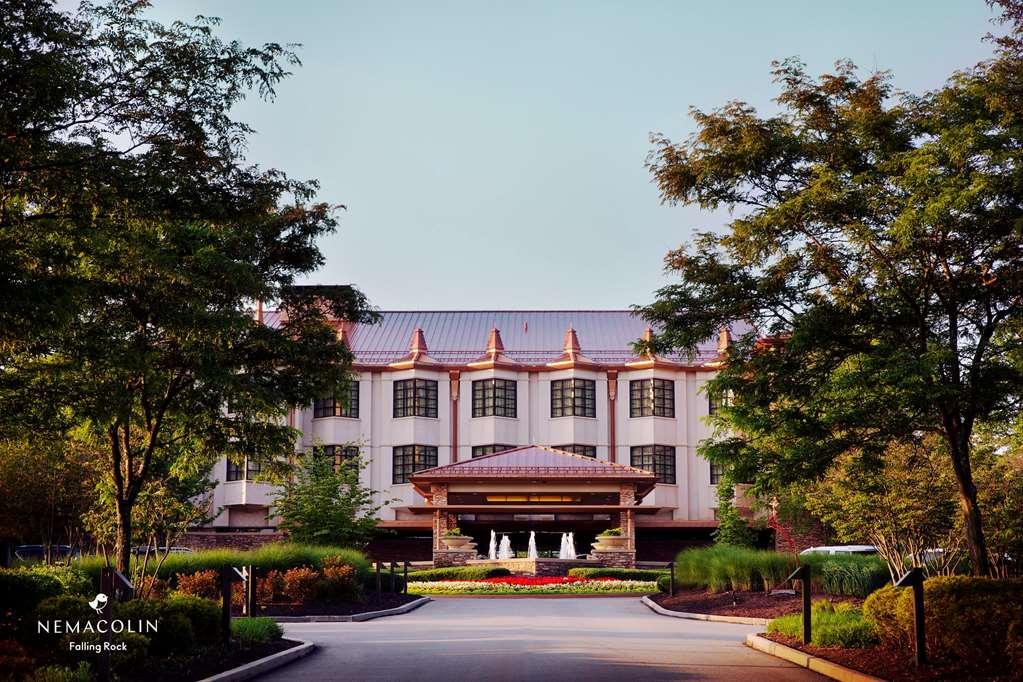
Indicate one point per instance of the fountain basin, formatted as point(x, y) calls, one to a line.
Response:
point(544, 567)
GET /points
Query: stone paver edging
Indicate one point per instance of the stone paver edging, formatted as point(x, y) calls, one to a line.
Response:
point(657, 608)
point(814, 663)
point(357, 617)
point(264, 665)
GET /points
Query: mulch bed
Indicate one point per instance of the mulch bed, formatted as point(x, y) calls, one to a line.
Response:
point(386, 600)
point(896, 665)
point(744, 604)
point(205, 666)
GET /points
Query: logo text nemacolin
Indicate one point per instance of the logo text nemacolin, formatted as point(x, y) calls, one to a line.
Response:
point(74, 627)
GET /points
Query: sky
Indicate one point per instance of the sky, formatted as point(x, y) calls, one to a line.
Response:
point(492, 155)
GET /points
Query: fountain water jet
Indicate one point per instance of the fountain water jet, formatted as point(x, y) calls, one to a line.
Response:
point(563, 552)
point(570, 546)
point(531, 552)
point(492, 555)
point(505, 552)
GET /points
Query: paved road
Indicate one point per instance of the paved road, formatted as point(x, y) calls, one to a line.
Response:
point(477, 640)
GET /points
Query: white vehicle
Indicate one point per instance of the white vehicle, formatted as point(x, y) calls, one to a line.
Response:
point(841, 549)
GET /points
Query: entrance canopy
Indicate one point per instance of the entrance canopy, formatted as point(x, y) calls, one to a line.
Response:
point(517, 468)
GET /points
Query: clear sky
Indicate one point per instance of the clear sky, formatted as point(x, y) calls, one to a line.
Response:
point(491, 155)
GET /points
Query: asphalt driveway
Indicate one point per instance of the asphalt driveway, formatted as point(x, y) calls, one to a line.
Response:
point(451, 640)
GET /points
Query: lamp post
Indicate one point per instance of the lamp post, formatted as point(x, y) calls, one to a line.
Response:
point(915, 578)
point(803, 573)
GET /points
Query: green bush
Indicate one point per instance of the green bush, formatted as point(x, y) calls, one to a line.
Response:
point(663, 583)
point(203, 614)
point(847, 574)
point(175, 634)
point(21, 590)
point(619, 573)
point(60, 673)
point(880, 608)
point(277, 556)
point(72, 579)
point(69, 607)
point(254, 631)
point(458, 573)
point(831, 625)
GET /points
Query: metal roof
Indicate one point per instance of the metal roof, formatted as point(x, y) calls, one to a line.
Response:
point(530, 336)
point(531, 460)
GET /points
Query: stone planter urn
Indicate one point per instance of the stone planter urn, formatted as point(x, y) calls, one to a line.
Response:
point(457, 541)
point(610, 542)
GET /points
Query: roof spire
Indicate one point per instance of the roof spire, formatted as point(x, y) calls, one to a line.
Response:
point(494, 343)
point(417, 346)
point(572, 346)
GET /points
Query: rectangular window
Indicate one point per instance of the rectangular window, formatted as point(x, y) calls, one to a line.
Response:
point(716, 470)
point(657, 459)
point(253, 467)
point(576, 449)
point(415, 398)
point(235, 472)
point(494, 398)
point(338, 453)
point(652, 398)
point(480, 450)
point(409, 459)
point(332, 407)
point(715, 403)
point(574, 398)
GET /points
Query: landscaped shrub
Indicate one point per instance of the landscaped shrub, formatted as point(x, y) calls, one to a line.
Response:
point(72, 579)
point(664, 583)
point(277, 556)
point(67, 607)
point(61, 673)
point(966, 618)
point(175, 633)
point(205, 584)
point(619, 573)
point(880, 608)
point(458, 573)
point(301, 584)
point(269, 587)
point(203, 614)
point(340, 579)
point(369, 583)
point(581, 586)
point(21, 590)
point(831, 625)
point(254, 631)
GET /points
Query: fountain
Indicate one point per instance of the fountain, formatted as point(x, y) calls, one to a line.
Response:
point(570, 546)
point(505, 552)
point(531, 552)
point(563, 552)
point(493, 546)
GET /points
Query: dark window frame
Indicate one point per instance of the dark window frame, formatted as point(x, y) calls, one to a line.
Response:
point(408, 459)
point(332, 407)
point(652, 398)
point(657, 459)
point(579, 449)
point(573, 398)
point(493, 448)
point(716, 472)
point(339, 453)
point(495, 398)
point(235, 472)
point(415, 398)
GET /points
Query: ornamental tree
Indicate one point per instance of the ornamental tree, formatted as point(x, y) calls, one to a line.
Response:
point(135, 240)
point(876, 249)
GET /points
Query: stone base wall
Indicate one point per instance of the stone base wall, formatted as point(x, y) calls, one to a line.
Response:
point(442, 558)
point(615, 558)
point(202, 539)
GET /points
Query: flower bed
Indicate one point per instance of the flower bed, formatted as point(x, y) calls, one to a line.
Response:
point(534, 585)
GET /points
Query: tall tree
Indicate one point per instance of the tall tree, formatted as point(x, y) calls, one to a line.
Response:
point(877, 252)
point(136, 238)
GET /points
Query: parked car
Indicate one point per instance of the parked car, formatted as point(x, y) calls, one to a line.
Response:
point(37, 553)
point(841, 549)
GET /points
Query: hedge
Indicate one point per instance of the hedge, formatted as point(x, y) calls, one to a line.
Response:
point(588, 587)
point(277, 556)
point(723, 567)
point(974, 619)
point(619, 573)
point(664, 583)
point(253, 631)
point(458, 573)
point(21, 590)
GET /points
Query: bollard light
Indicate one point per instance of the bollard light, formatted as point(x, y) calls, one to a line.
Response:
point(803, 573)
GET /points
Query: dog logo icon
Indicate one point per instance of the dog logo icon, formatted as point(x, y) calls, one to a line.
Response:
point(98, 603)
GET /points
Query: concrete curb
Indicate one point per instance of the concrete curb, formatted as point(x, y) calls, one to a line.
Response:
point(264, 665)
point(742, 620)
point(355, 618)
point(818, 665)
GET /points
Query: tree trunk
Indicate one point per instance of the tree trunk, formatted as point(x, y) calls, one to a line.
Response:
point(959, 447)
point(122, 548)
